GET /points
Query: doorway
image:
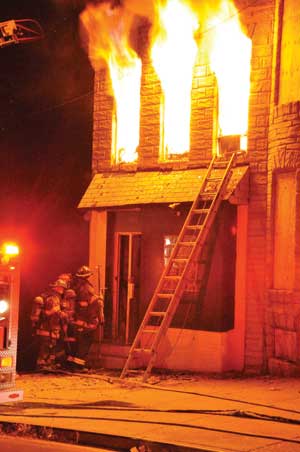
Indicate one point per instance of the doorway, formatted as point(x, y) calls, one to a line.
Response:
point(126, 286)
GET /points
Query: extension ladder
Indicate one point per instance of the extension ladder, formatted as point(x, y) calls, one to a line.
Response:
point(190, 243)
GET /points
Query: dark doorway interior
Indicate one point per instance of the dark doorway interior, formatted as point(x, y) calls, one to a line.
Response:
point(128, 277)
point(211, 306)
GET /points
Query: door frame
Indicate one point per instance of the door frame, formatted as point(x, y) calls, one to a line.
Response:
point(116, 277)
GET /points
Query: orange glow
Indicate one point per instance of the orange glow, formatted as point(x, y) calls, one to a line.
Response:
point(108, 30)
point(230, 59)
point(6, 361)
point(3, 306)
point(173, 54)
point(10, 249)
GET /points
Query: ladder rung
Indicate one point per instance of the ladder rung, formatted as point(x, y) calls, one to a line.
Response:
point(150, 331)
point(179, 260)
point(195, 226)
point(157, 314)
point(223, 164)
point(186, 243)
point(172, 277)
point(205, 194)
point(199, 211)
point(208, 195)
point(208, 191)
point(142, 350)
point(164, 295)
point(213, 179)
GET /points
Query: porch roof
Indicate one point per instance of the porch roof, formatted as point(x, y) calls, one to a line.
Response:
point(154, 187)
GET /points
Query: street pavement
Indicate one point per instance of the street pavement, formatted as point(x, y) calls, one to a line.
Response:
point(182, 412)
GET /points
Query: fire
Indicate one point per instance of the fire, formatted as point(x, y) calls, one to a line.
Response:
point(230, 59)
point(126, 81)
point(173, 54)
point(108, 32)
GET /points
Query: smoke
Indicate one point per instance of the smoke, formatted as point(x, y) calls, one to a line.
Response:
point(108, 23)
point(59, 5)
point(110, 26)
point(106, 30)
point(142, 8)
point(150, 9)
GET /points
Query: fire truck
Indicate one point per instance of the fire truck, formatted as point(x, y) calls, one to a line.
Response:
point(11, 32)
point(9, 313)
point(19, 31)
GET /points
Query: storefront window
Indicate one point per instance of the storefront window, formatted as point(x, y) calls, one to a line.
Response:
point(169, 243)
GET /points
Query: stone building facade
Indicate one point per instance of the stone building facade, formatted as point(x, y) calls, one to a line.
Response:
point(262, 333)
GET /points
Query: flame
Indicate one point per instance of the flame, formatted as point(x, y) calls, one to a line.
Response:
point(108, 31)
point(126, 85)
point(230, 59)
point(173, 54)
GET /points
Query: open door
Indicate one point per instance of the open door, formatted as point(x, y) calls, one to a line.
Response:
point(127, 287)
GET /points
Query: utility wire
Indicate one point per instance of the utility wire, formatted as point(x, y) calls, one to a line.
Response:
point(66, 102)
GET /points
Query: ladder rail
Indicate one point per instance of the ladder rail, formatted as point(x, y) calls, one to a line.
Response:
point(196, 246)
point(180, 286)
point(181, 234)
point(165, 270)
point(202, 235)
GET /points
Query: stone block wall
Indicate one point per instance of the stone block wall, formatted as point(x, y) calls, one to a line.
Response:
point(102, 127)
point(203, 111)
point(283, 313)
point(259, 21)
point(150, 129)
point(203, 116)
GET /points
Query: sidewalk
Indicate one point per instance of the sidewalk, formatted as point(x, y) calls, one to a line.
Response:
point(182, 413)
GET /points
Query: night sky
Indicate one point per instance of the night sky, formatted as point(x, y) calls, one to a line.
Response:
point(46, 95)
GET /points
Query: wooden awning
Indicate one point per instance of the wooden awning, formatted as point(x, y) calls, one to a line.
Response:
point(155, 187)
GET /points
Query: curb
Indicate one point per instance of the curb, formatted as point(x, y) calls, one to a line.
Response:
point(82, 438)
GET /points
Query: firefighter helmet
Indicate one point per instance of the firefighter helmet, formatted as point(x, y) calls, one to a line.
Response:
point(70, 293)
point(84, 272)
point(59, 283)
point(39, 300)
point(65, 276)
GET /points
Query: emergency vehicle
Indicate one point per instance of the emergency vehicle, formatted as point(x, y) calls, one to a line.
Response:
point(9, 313)
point(11, 32)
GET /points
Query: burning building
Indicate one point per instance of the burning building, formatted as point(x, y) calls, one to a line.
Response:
point(176, 83)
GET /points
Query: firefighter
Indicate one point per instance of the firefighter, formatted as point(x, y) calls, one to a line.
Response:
point(67, 277)
point(88, 315)
point(48, 323)
point(67, 337)
point(37, 307)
